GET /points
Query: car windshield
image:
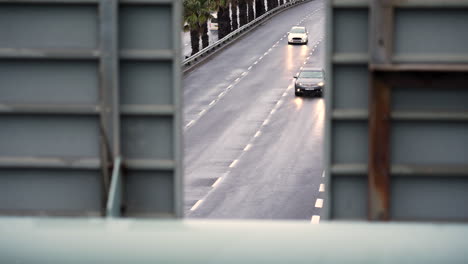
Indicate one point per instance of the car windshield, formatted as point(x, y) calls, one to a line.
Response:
point(311, 74)
point(298, 30)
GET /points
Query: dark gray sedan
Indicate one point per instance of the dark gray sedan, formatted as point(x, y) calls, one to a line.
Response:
point(309, 81)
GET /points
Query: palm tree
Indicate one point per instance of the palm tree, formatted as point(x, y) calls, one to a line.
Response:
point(270, 4)
point(250, 3)
point(224, 20)
point(196, 15)
point(242, 12)
point(259, 7)
point(234, 4)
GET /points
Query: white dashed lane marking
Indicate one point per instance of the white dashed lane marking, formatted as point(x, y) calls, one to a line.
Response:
point(322, 187)
point(319, 203)
point(195, 206)
point(315, 219)
point(217, 182)
point(233, 164)
point(248, 147)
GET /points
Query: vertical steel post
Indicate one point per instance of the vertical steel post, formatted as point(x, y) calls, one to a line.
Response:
point(381, 44)
point(109, 88)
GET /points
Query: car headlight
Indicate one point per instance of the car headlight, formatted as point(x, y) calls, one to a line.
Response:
point(320, 84)
point(300, 84)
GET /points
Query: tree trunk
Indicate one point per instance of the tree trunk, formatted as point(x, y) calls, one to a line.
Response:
point(242, 12)
point(194, 41)
point(270, 4)
point(259, 7)
point(251, 10)
point(205, 39)
point(224, 22)
point(235, 23)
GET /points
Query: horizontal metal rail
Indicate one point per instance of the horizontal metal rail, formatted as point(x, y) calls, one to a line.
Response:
point(360, 169)
point(402, 4)
point(87, 2)
point(363, 114)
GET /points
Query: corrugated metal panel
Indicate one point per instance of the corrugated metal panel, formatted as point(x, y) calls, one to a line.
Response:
point(429, 127)
point(84, 83)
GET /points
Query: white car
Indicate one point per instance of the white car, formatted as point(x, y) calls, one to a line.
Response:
point(298, 35)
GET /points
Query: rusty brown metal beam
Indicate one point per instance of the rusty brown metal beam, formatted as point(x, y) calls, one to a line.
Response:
point(379, 148)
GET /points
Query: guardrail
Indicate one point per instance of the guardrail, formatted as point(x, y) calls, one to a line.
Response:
point(198, 57)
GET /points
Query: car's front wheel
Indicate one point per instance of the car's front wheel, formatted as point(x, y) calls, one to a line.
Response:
point(297, 93)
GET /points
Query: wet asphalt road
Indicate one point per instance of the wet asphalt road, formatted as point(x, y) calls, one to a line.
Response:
point(252, 149)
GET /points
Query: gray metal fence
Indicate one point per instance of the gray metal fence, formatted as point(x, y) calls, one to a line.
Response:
point(420, 49)
point(85, 83)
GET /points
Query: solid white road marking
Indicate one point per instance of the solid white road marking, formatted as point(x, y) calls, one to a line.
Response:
point(195, 206)
point(319, 203)
point(248, 147)
point(217, 182)
point(322, 187)
point(257, 134)
point(233, 164)
point(315, 219)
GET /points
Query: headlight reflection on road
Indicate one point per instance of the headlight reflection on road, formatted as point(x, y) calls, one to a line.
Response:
point(289, 57)
point(298, 102)
point(304, 50)
point(321, 110)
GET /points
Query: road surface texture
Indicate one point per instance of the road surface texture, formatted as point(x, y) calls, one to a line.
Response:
point(252, 149)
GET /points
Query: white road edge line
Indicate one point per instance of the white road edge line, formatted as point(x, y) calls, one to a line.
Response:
point(233, 164)
point(315, 219)
point(195, 206)
point(319, 203)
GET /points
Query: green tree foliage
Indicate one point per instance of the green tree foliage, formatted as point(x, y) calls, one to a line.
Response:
point(196, 16)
